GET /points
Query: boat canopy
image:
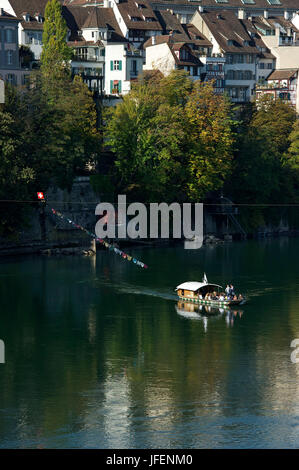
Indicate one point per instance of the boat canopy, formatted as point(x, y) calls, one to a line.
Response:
point(195, 285)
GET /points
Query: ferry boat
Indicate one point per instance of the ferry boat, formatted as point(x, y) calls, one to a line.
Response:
point(194, 291)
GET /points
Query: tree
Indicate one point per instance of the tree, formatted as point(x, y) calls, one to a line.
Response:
point(146, 133)
point(261, 173)
point(55, 54)
point(15, 175)
point(211, 140)
point(172, 138)
point(260, 162)
point(293, 156)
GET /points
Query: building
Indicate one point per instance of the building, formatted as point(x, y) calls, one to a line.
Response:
point(281, 37)
point(283, 85)
point(164, 53)
point(31, 14)
point(185, 9)
point(10, 70)
point(136, 20)
point(102, 55)
point(232, 42)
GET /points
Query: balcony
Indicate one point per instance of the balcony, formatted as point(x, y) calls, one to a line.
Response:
point(275, 86)
point(88, 58)
point(135, 53)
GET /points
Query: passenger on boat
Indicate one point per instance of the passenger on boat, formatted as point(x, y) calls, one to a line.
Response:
point(235, 297)
point(232, 290)
point(221, 297)
point(227, 290)
point(199, 296)
point(214, 296)
point(240, 297)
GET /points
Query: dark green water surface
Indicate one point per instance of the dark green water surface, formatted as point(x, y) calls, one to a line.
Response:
point(99, 356)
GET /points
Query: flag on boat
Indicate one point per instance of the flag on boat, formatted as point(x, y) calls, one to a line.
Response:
point(205, 279)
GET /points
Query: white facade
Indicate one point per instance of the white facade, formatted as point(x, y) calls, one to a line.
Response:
point(159, 57)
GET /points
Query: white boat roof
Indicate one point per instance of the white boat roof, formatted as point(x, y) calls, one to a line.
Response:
point(195, 285)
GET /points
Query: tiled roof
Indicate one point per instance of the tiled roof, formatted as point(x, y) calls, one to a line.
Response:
point(135, 17)
point(174, 46)
point(4, 15)
point(196, 36)
point(229, 32)
point(283, 74)
point(258, 4)
point(32, 7)
point(77, 18)
point(170, 22)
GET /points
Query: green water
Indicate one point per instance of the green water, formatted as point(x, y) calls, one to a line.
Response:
point(99, 356)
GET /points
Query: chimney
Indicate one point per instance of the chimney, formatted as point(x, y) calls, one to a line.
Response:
point(201, 9)
point(241, 14)
point(153, 40)
point(1, 11)
point(286, 15)
point(266, 14)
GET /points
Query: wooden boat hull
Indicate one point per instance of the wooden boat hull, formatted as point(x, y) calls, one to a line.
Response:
point(215, 303)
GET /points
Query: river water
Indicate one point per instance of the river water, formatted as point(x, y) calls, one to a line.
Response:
point(100, 355)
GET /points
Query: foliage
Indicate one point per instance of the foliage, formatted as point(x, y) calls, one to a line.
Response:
point(55, 54)
point(163, 134)
point(211, 140)
point(261, 173)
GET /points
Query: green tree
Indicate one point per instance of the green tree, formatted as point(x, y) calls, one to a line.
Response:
point(293, 159)
point(56, 54)
point(146, 134)
point(262, 174)
point(211, 140)
point(172, 138)
point(15, 175)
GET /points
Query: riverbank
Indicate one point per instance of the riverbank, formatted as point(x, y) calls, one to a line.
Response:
point(87, 247)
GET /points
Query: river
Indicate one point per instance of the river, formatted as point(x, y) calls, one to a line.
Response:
point(99, 355)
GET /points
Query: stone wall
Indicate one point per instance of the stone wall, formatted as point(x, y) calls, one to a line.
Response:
point(45, 230)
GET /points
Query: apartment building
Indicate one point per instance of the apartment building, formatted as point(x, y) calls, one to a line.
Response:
point(232, 42)
point(185, 9)
point(10, 70)
point(167, 53)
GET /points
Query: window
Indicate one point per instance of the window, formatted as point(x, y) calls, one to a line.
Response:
point(285, 96)
point(11, 78)
point(115, 87)
point(9, 35)
point(219, 83)
point(134, 66)
point(229, 58)
point(9, 57)
point(115, 65)
point(261, 65)
point(270, 66)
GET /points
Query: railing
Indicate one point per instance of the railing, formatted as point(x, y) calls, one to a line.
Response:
point(276, 87)
point(88, 58)
point(133, 53)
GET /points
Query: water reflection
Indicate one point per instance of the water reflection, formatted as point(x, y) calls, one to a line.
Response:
point(203, 313)
point(98, 357)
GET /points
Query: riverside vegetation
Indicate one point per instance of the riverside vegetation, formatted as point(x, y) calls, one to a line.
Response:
point(170, 139)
